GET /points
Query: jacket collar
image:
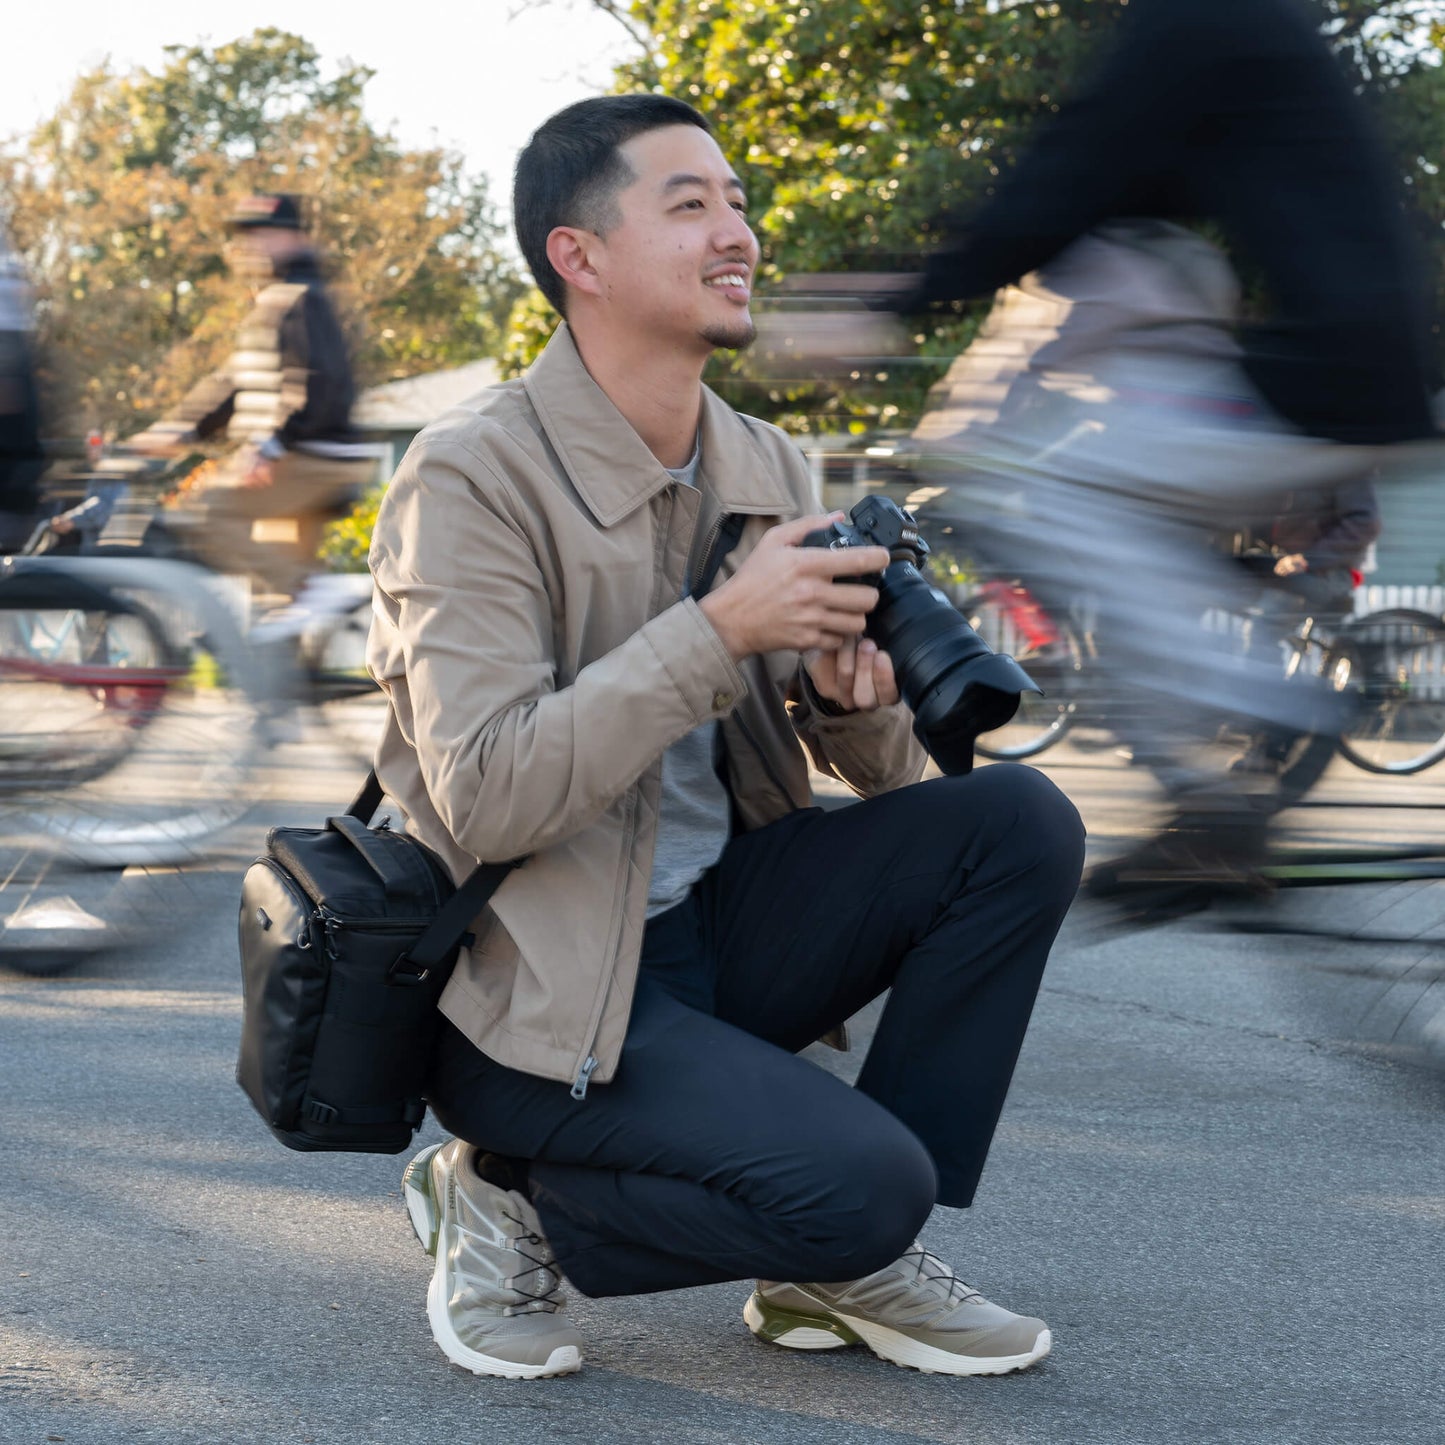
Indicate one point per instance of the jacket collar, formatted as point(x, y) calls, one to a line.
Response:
point(606, 460)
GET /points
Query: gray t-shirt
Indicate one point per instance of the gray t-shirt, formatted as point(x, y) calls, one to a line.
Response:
point(693, 822)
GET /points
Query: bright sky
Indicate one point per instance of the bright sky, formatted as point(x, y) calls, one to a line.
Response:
point(477, 75)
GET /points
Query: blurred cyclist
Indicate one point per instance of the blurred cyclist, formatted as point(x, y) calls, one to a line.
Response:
point(286, 397)
point(21, 457)
point(1320, 541)
point(1137, 416)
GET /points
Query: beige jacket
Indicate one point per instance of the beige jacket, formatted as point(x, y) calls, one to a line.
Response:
point(529, 557)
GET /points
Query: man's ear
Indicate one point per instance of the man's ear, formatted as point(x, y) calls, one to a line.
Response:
point(571, 252)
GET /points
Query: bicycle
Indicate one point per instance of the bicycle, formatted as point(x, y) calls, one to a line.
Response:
point(1061, 654)
point(133, 710)
point(1392, 662)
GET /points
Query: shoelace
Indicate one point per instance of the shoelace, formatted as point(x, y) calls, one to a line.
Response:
point(543, 1263)
point(929, 1269)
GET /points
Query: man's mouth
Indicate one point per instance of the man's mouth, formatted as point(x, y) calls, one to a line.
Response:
point(729, 281)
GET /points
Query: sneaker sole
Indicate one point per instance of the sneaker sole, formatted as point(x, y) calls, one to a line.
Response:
point(795, 1331)
point(564, 1360)
point(425, 1209)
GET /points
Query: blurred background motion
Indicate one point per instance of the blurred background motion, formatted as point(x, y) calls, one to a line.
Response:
point(1137, 306)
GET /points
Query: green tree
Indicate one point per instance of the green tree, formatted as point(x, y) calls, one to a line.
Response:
point(119, 202)
point(855, 122)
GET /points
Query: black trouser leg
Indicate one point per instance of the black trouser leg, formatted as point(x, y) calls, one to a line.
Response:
point(710, 1156)
point(950, 893)
point(715, 1153)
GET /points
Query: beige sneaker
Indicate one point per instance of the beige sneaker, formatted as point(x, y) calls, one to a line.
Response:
point(495, 1299)
point(916, 1312)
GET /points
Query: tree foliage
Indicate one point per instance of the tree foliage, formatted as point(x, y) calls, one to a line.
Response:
point(118, 203)
point(856, 122)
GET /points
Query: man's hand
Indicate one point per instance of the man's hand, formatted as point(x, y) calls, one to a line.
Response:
point(1291, 566)
point(786, 597)
point(62, 524)
point(857, 676)
point(257, 471)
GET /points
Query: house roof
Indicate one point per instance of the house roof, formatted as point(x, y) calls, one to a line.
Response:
point(410, 404)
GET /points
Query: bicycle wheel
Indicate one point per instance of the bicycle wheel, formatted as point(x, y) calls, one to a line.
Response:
point(1397, 673)
point(1301, 759)
point(168, 684)
point(1057, 666)
point(78, 686)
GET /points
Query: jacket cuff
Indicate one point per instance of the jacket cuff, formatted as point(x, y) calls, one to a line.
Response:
point(695, 660)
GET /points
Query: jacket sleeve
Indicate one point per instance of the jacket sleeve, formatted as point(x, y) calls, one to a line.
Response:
point(204, 410)
point(513, 761)
point(1097, 157)
point(872, 752)
point(315, 372)
point(1353, 525)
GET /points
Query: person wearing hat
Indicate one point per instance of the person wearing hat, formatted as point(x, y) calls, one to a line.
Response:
point(286, 398)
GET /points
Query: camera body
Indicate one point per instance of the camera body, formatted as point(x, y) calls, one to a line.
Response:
point(875, 522)
point(955, 685)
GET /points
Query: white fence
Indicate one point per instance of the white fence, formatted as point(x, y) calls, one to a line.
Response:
point(1377, 599)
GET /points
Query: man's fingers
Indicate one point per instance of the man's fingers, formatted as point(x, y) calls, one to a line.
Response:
point(791, 534)
point(862, 686)
point(849, 561)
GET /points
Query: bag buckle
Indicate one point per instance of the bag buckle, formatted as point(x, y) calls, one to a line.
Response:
point(400, 971)
point(315, 1112)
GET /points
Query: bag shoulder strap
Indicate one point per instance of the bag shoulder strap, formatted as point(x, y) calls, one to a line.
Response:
point(454, 917)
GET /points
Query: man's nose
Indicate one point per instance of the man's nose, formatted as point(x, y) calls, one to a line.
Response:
point(734, 235)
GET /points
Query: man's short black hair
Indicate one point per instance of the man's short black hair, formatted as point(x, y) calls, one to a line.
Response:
point(570, 172)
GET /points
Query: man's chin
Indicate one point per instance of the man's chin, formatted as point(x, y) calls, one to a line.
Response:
point(734, 336)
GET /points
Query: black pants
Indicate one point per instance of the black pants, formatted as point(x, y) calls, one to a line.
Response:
point(715, 1153)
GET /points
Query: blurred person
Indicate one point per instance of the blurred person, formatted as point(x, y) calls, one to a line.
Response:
point(286, 397)
point(1319, 543)
point(22, 457)
point(1139, 410)
point(618, 1062)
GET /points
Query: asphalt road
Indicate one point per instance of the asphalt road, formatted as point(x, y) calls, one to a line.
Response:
point(1219, 1177)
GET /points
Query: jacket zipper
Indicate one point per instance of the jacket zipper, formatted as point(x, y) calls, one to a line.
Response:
point(584, 1077)
point(713, 532)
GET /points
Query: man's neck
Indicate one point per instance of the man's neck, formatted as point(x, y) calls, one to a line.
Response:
point(659, 392)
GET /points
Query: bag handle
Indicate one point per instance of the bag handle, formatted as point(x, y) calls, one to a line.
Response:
point(382, 860)
point(453, 918)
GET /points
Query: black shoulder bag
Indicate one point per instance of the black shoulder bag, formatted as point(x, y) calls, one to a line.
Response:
point(348, 935)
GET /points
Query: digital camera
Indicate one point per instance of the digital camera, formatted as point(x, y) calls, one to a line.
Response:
point(955, 684)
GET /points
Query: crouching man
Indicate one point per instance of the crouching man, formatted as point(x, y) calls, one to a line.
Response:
point(619, 1064)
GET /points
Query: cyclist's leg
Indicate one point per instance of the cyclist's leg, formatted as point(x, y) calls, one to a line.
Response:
point(227, 513)
point(312, 490)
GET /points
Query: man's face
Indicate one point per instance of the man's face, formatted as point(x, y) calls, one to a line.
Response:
point(679, 264)
point(257, 251)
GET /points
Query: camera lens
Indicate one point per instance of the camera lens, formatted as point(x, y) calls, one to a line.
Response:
point(955, 685)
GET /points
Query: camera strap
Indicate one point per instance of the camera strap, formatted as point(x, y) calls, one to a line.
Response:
point(728, 533)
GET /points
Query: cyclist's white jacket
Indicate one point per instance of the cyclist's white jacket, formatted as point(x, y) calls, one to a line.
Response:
point(528, 558)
